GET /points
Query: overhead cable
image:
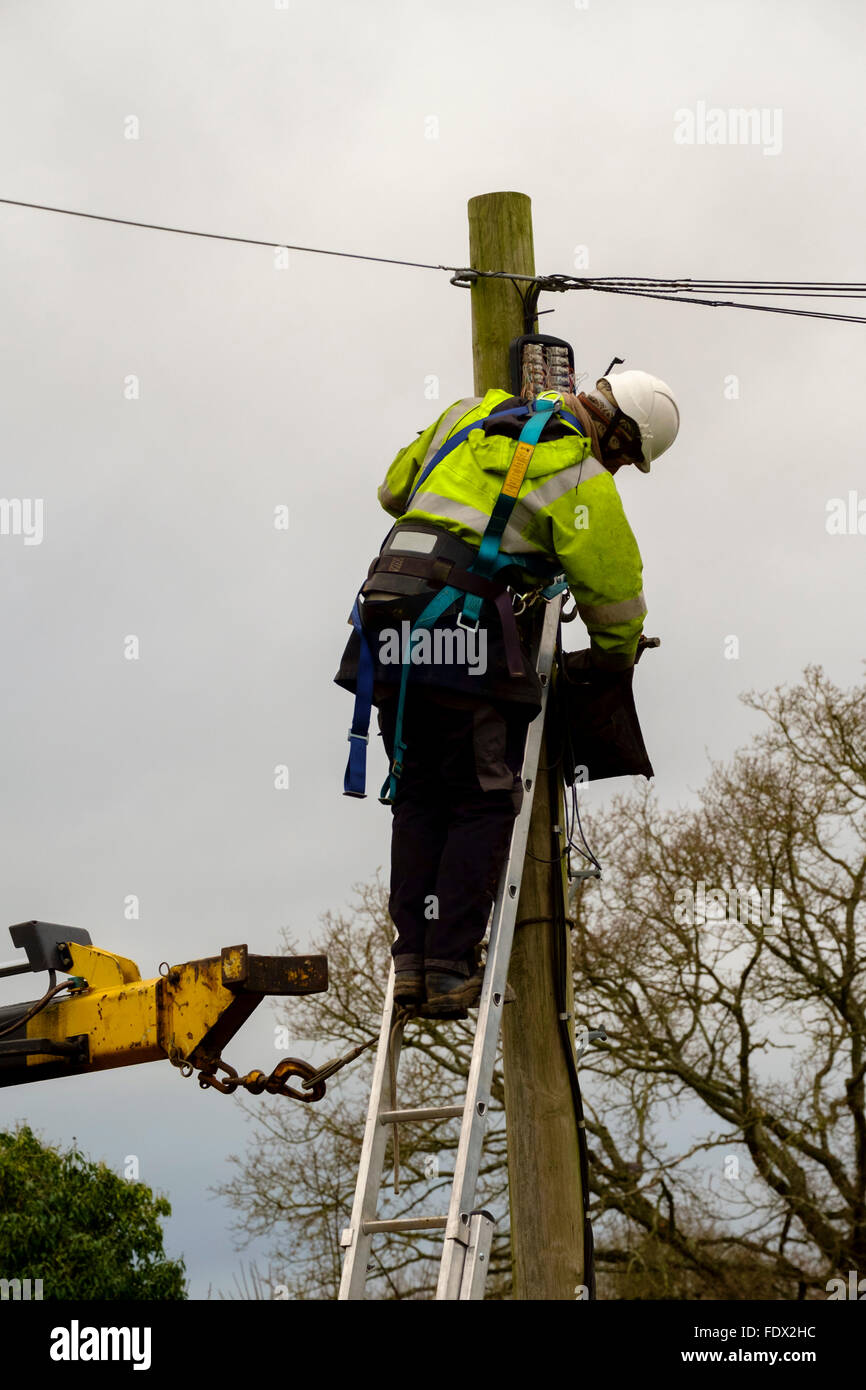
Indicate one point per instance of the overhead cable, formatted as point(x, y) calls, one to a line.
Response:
point(641, 286)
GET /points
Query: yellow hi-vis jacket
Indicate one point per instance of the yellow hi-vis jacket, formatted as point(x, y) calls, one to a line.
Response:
point(568, 510)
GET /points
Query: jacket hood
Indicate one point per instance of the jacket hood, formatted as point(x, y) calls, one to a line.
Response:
point(494, 452)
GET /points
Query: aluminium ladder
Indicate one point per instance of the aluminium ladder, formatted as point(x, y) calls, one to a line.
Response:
point(468, 1233)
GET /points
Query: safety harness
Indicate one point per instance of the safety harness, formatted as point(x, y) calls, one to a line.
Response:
point(473, 585)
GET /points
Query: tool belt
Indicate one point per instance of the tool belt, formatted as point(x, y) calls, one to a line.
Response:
point(417, 560)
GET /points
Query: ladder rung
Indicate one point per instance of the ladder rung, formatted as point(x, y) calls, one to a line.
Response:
point(406, 1223)
point(433, 1112)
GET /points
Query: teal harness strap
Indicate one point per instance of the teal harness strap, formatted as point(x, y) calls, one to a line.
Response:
point(435, 608)
point(487, 562)
point(505, 503)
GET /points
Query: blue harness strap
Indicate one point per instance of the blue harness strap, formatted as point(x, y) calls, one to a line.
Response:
point(355, 778)
point(488, 561)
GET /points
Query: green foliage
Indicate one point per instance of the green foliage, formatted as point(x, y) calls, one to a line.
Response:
point(81, 1229)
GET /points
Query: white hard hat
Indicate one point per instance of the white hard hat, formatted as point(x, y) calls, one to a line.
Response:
point(648, 401)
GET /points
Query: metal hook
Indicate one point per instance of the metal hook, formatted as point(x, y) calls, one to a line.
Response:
point(586, 1037)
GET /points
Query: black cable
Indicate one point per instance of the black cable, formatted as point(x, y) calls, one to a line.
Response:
point(222, 236)
point(727, 304)
point(575, 813)
point(34, 1008)
point(559, 928)
point(572, 815)
point(753, 286)
point(540, 858)
point(850, 293)
point(531, 921)
point(641, 286)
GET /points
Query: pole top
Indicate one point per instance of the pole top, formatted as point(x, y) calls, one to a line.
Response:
point(482, 197)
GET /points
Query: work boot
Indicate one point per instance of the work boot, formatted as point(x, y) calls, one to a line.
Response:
point(408, 987)
point(450, 994)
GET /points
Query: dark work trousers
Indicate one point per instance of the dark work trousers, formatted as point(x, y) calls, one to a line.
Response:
point(452, 818)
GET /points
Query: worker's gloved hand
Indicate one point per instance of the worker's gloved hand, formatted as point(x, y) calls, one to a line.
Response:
point(597, 663)
point(579, 661)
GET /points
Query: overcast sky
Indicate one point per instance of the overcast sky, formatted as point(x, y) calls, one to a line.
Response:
point(311, 124)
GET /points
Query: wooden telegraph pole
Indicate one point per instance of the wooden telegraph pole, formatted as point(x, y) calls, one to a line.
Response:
point(543, 1156)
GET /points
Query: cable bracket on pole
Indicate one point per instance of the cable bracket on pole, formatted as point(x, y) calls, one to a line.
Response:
point(586, 1037)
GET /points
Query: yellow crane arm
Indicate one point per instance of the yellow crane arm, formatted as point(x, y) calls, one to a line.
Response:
point(109, 1016)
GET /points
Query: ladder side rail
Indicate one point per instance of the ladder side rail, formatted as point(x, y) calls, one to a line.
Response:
point(477, 1259)
point(355, 1241)
point(481, 1069)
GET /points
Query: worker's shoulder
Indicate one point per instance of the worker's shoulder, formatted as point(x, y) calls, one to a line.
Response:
point(459, 410)
point(491, 402)
point(480, 406)
point(573, 479)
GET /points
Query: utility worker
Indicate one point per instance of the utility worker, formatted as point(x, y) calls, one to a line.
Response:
point(455, 729)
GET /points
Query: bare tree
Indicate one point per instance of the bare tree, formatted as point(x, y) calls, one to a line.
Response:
point(733, 1018)
point(725, 951)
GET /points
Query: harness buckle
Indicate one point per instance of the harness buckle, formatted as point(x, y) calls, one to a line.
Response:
point(470, 627)
point(364, 737)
